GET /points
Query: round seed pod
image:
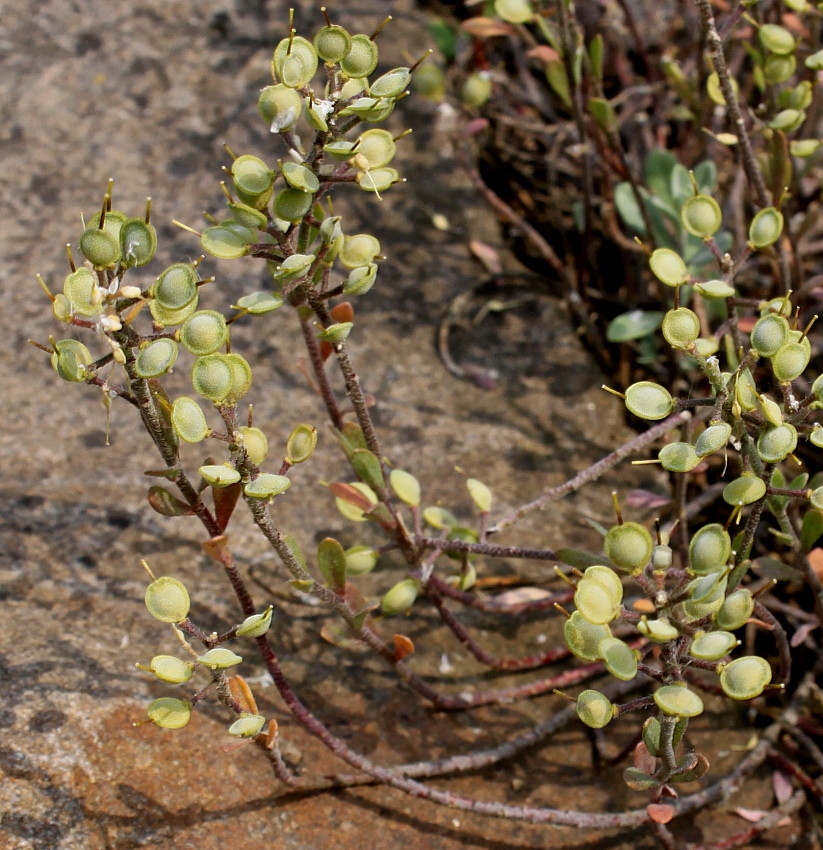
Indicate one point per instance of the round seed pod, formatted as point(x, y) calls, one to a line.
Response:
point(775, 444)
point(292, 204)
point(744, 490)
point(777, 69)
point(438, 517)
point(668, 267)
point(247, 725)
point(169, 669)
point(223, 243)
point(660, 631)
point(766, 228)
point(788, 120)
point(300, 177)
point(804, 148)
point(156, 358)
point(735, 610)
point(405, 486)
point(477, 89)
point(707, 588)
point(482, 496)
point(360, 280)
point(255, 443)
point(138, 242)
point(359, 250)
point(267, 485)
point(609, 579)
point(100, 247)
point(464, 535)
point(769, 334)
point(280, 107)
point(714, 290)
point(362, 107)
point(212, 377)
point(709, 549)
point(392, 84)
point(401, 597)
point(301, 444)
point(771, 410)
point(514, 11)
point(745, 391)
point(377, 179)
point(662, 557)
point(681, 327)
point(699, 610)
point(61, 308)
point(169, 318)
point(245, 234)
point(816, 437)
point(776, 39)
point(620, 661)
point(678, 701)
point(678, 457)
point(251, 175)
point(219, 475)
point(219, 658)
point(745, 678)
point(713, 646)
point(800, 338)
point(378, 146)
point(204, 332)
point(81, 289)
point(362, 57)
point(595, 602)
point(649, 400)
point(70, 359)
point(188, 420)
point(790, 362)
point(259, 303)
point(353, 512)
point(294, 61)
point(628, 546)
point(816, 498)
point(241, 377)
point(293, 266)
point(336, 333)
point(353, 87)
point(583, 637)
point(247, 216)
point(341, 149)
point(715, 92)
point(167, 600)
point(113, 222)
point(594, 709)
point(714, 438)
point(332, 43)
point(781, 306)
point(256, 625)
point(360, 560)
point(701, 216)
point(176, 286)
point(429, 82)
point(169, 713)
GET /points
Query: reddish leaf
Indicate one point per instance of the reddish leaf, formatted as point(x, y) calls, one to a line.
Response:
point(349, 494)
point(645, 500)
point(242, 694)
point(644, 760)
point(487, 256)
point(218, 549)
point(225, 500)
point(782, 785)
point(660, 812)
point(746, 323)
point(486, 27)
point(543, 53)
point(342, 312)
point(520, 595)
point(475, 126)
point(166, 503)
point(403, 647)
point(802, 633)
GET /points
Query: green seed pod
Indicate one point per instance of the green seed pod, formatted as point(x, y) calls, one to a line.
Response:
point(392, 84)
point(714, 438)
point(176, 287)
point(594, 709)
point(405, 486)
point(188, 420)
point(241, 377)
point(649, 400)
point(113, 222)
point(701, 216)
point(745, 678)
point(360, 560)
point(156, 358)
point(583, 637)
point(294, 61)
point(362, 107)
point(219, 475)
point(693, 611)
point(82, 290)
point(745, 391)
point(256, 625)
point(775, 444)
point(70, 359)
point(377, 179)
point(353, 512)
point(744, 490)
point(247, 216)
point(668, 267)
point(816, 437)
point(267, 485)
point(169, 318)
point(660, 631)
point(341, 149)
point(260, 303)
point(766, 228)
point(332, 43)
point(61, 308)
point(255, 444)
point(293, 267)
point(776, 39)
point(245, 234)
point(219, 658)
point(481, 495)
point(401, 597)
point(223, 243)
point(771, 410)
point(300, 177)
point(681, 327)
point(678, 457)
point(662, 557)
point(138, 242)
point(360, 280)
point(777, 69)
point(167, 600)
point(477, 89)
point(713, 646)
point(709, 549)
point(301, 444)
point(788, 120)
point(465, 535)
point(678, 701)
point(100, 247)
point(280, 107)
point(595, 602)
point(515, 12)
point(769, 334)
point(169, 669)
point(815, 61)
point(714, 290)
point(708, 588)
point(169, 713)
point(790, 362)
point(359, 250)
point(620, 661)
point(292, 204)
point(628, 546)
point(715, 92)
point(361, 59)
point(212, 377)
point(336, 333)
point(735, 610)
point(247, 725)
point(204, 332)
point(251, 175)
point(439, 517)
point(429, 82)
point(816, 498)
point(609, 579)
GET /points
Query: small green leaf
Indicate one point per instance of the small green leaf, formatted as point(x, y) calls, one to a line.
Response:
point(331, 559)
point(633, 325)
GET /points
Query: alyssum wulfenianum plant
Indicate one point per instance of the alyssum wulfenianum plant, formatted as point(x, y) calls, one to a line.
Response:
point(324, 107)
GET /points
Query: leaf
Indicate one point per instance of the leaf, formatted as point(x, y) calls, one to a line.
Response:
point(403, 647)
point(755, 815)
point(782, 785)
point(486, 27)
point(520, 595)
point(802, 633)
point(658, 168)
point(628, 209)
point(225, 500)
point(218, 549)
point(543, 53)
point(341, 313)
point(367, 466)
point(705, 173)
point(681, 185)
point(242, 694)
point(166, 503)
point(487, 255)
point(445, 37)
point(559, 81)
point(637, 780)
point(811, 529)
point(660, 812)
point(816, 562)
point(578, 558)
point(338, 634)
point(643, 759)
point(603, 114)
point(350, 495)
point(331, 560)
point(645, 500)
point(633, 325)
